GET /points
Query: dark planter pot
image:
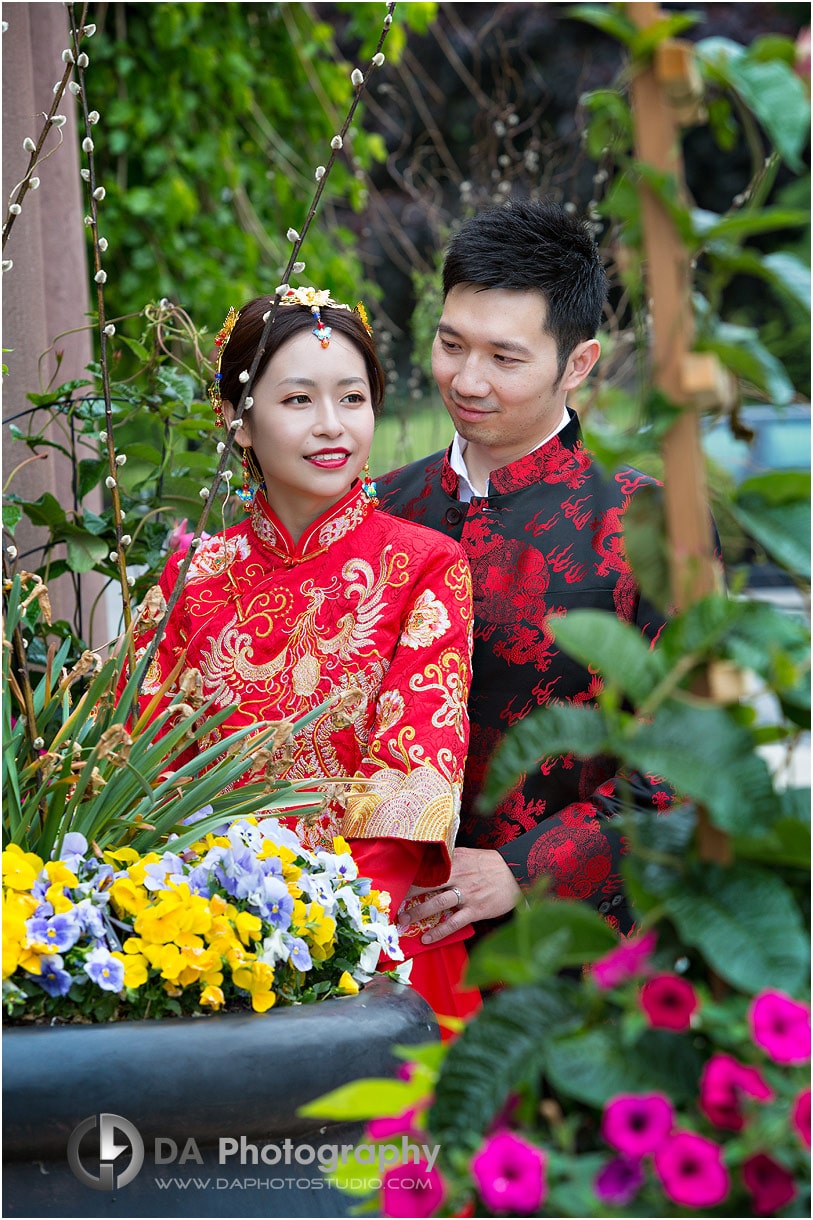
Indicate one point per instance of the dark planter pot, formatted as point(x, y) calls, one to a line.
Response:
point(212, 1100)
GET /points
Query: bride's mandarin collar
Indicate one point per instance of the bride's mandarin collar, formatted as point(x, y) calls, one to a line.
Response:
point(338, 520)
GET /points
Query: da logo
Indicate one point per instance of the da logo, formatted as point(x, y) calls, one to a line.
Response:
point(106, 1151)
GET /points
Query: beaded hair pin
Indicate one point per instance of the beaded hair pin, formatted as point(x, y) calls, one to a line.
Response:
point(315, 299)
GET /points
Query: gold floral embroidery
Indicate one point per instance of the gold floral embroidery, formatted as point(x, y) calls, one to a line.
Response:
point(420, 805)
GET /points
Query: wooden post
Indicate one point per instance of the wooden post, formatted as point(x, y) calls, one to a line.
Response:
point(693, 568)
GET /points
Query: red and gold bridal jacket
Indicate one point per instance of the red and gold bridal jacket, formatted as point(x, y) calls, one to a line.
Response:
point(362, 601)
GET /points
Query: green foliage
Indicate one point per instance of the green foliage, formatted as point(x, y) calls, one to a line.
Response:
point(213, 166)
point(78, 757)
point(763, 77)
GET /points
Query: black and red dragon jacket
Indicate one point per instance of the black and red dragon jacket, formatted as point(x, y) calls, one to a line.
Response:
point(547, 539)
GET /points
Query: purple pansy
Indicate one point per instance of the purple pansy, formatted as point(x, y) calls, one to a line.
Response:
point(59, 932)
point(53, 978)
point(105, 970)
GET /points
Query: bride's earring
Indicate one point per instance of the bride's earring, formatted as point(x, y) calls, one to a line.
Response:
point(368, 486)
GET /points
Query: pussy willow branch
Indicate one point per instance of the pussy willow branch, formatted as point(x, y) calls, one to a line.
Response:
point(20, 191)
point(252, 371)
point(112, 481)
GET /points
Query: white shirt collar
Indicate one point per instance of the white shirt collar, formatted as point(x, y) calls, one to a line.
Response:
point(466, 490)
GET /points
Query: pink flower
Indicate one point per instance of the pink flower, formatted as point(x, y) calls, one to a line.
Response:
point(722, 1085)
point(385, 1128)
point(619, 1181)
point(637, 1124)
point(412, 1190)
point(510, 1174)
point(625, 962)
point(800, 1116)
point(691, 1170)
point(668, 1002)
point(781, 1027)
point(771, 1184)
point(180, 538)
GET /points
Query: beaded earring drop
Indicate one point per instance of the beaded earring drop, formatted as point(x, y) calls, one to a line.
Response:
point(246, 495)
point(368, 486)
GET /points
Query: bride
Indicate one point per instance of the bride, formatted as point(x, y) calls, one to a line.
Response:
point(316, 596)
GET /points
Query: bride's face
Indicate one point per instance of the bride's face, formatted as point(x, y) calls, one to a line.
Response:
point(311, 425)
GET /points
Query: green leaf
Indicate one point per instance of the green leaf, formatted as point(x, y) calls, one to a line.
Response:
point(746, 924)
point(660, 848)
point(706, 755)
point(45, 511)
point(84, 550)
point(616, 649)
point(646, 546)
point(790, 274)
point(90, 475)
point(771, 89)
point(784, 530)
point(709, 226)
point(363, 1099)
point(12, 513)
point(94, 524)
point(545, 733)
point(595, 1065)
point(504, 1047)
point(539, 941)
point(605, 18)
point(740, 350)
point(787, 843)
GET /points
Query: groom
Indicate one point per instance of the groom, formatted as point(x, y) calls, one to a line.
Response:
point(524, 291)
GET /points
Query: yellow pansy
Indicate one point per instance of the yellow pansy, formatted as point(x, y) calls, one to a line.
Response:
point(55, 894)
point(135, 968)
point(212, 997)
point(17, 908)
point(121, 856)
point(380, 899)
point(340, 846)
point(20, 868)
point(347, 985)
point(128, 897)
point(256, 978)
point(59, 873)
point(247, 926)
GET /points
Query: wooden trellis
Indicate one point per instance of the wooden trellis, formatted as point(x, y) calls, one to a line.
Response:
point(666, 96)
